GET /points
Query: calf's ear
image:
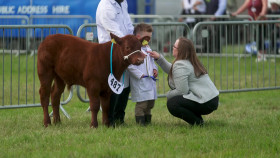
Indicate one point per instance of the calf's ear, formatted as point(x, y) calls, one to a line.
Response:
point(116, 38)
point(145, 40)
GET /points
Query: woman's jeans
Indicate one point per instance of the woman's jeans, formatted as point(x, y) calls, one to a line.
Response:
point(189, 110)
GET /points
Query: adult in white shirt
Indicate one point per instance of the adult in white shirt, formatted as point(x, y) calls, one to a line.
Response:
point(216, 7)
point(112, 17)
point(193, 7)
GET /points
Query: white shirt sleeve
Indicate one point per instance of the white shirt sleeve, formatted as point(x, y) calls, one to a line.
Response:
point(134, 71)
point(221, 8)
point(108, 21)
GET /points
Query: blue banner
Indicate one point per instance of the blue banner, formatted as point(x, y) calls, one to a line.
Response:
point(55, 7)
point(48, 7)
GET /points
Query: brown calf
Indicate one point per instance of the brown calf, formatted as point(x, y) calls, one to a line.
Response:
point(69, 60)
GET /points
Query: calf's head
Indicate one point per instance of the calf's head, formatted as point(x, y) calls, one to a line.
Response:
point(131, 48)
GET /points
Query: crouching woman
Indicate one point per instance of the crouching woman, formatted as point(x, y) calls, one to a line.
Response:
point(192, 92)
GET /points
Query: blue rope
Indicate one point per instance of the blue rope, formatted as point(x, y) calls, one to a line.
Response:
point(111, 61)
point(152, 77)
point(111, 69)
point(123, 77)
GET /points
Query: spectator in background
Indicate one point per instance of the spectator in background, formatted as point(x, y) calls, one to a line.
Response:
point(274, 7)
point(256, 9)
point(143, 78)
point(112, 16)
point(216, 7)
point(192, 7)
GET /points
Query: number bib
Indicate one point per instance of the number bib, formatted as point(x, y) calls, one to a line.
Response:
point(114, 84)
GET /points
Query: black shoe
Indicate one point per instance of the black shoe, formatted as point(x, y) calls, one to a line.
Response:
point(120, 123)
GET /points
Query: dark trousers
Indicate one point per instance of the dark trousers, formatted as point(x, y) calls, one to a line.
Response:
point(118, 104)
point(260, 36)
point(191, 111)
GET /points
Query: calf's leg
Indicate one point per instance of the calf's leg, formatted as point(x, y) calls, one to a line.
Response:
point(57, 89)
point(105, 104)
point(94, 106)
point(46, 78)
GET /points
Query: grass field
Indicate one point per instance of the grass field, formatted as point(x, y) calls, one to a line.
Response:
point(245, 125)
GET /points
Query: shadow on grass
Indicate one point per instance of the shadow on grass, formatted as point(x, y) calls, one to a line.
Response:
point(207, 124)
point(216, 123)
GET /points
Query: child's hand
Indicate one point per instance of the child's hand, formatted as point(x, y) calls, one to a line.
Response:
point(155, 73)
point(154, 54)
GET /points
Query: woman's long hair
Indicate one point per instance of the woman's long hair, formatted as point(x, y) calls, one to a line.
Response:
point(186, 51)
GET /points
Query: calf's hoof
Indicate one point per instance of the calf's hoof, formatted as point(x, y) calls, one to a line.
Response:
point(47, 124)
point(93, 125)
point(56, 120)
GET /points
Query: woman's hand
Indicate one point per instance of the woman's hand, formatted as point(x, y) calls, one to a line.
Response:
point(154, 54)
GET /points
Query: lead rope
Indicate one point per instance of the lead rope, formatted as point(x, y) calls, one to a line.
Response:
point(147, 68)
point(126, 57)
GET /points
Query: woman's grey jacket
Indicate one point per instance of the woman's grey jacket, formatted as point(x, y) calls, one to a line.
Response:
point(184, 82)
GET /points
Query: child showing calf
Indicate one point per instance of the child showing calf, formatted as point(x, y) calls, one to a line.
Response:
point(143, 79)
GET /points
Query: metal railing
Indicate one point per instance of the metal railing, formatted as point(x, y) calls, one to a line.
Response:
point(151, 18)
point(19, 81)
point(14, 20)
point(209, 17)
point(74, 21)
point(196, 18)
point(220, 45)
point(61, 19)
point(272, 16)
point(229, 50)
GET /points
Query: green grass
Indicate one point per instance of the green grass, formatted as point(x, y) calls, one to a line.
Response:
point(245, 125)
